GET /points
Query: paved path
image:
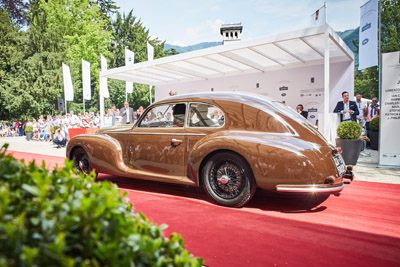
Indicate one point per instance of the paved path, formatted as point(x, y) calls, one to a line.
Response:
point(365, 170)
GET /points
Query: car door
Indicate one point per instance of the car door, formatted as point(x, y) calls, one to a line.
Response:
point(157, 143)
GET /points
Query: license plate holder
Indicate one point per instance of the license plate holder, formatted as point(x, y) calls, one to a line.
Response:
point(340, 165)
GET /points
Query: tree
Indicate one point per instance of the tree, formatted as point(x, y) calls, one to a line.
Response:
point(83, 31)
point(17, 10)
point(128, 31)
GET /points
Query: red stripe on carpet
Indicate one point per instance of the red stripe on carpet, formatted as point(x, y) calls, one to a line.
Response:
point(51, 161)
point(361, 227)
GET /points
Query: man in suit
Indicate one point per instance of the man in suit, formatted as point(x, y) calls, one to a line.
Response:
point(127, 114)
point(348, 110)
point(300, 109)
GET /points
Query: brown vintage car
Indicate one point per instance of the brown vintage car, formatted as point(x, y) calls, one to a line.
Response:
point(229, 143)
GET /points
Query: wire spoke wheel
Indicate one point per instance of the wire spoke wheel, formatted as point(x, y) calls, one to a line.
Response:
point(81, 161)
point(228, 179)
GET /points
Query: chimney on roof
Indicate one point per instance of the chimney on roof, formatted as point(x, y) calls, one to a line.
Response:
point(231, 32)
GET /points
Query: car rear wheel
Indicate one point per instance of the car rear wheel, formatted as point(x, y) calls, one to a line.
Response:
point(228, 179)
point(81, 161)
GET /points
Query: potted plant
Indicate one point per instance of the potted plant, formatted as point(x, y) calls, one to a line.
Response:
point(349, 141)
point(29, 132)
point(374, 133)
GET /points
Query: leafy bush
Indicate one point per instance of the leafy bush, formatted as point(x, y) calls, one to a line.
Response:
point(53, 129)
point(374, 125)
point(61, 219)
point(349, 130)
point(29, 129)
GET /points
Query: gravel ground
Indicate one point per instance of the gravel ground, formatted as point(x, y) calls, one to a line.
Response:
point(365, 170)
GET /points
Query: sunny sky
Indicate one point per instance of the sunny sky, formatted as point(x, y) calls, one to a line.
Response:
point(187, 22)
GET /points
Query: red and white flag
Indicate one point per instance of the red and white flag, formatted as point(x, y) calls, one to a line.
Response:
point(319, 16)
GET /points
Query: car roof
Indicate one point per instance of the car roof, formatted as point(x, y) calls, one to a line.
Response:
point(241, 97)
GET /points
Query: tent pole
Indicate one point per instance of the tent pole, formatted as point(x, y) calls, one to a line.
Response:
point(101, 101)
point(150, 86)
point(326, 86)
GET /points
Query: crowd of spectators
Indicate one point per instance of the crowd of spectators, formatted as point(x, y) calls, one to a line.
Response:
point(50, 128)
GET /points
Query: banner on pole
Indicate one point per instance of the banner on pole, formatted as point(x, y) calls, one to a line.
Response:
point(368, 41)
point(68, 88)
point(150, 52)
point(103, 81)
point(87, 95)
point(129, 60)
point(389, 147)
point(319, 16)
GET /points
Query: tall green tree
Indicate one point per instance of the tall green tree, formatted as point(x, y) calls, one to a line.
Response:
point(11, 56)
point(128, 31)
point(82, 28)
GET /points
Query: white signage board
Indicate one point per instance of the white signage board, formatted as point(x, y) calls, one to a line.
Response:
point(389, 145)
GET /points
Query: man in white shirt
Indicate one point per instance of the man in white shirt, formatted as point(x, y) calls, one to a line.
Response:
point(362, 109)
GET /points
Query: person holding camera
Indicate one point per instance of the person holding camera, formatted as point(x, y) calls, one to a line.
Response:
point(59, 138)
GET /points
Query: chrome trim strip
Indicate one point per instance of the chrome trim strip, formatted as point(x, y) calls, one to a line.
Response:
point(149, 133)
point(319, 188)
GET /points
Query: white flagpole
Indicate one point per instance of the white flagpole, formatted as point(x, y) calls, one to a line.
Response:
point(326, 13)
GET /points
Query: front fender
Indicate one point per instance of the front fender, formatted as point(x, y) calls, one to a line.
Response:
point(104, 152)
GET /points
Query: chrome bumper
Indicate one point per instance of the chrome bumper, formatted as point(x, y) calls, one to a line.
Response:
point(310, 188)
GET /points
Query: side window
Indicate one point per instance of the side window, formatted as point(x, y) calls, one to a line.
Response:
point(205, 115)
point(164, 116)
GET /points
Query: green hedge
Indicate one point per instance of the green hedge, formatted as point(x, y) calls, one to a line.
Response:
point(374, 125)
point(349, 130)
point(61, 219)
point(29, 129)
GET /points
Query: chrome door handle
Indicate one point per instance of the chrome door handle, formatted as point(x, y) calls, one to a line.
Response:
point(175, 142)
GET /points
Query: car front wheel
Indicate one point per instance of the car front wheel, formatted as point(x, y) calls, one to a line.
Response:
point(81, 161)
point(228, 179)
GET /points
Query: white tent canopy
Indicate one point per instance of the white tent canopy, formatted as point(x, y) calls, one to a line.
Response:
point(294, 49)
point(318, 45)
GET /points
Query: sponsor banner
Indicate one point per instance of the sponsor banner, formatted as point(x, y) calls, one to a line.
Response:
point(87, 95)
point(368, 44)
point(103, 81)
point(319, 17)
point(389, 145)
point(129, 60)
point(68, 88)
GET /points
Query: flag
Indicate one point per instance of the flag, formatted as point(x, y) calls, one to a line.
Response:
point(150, 52)
point(319, 16)
point(68, 88)
point(86, 80)
point(129, 60)
point(103, 81)
point(368, 44)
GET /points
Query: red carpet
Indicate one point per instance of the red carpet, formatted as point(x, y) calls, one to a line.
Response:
point(361, 227)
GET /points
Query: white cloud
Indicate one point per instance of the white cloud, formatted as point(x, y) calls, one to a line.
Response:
point(207, 31)
point(214, 8)
point(179, 43)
